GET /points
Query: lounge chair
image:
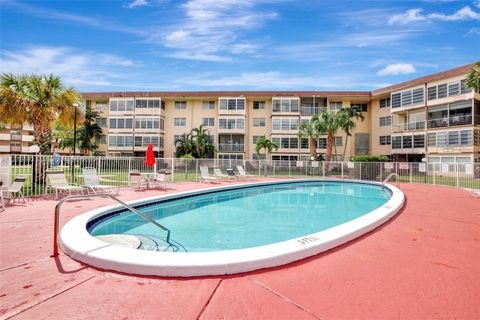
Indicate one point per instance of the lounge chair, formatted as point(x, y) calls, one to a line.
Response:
point(232, 174)
point(15, 191)
point(92, 181)
point(219, 174)
point(160, 180)
point(57, 181)
point(205, 176)
point(243, 174)
point(136, 180)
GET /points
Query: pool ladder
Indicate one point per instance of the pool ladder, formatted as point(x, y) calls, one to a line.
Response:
point(391, 175)
point(98, 195)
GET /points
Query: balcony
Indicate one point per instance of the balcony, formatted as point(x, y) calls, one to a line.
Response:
point(408, 126)
point(231, 147)
point(310, 111)
point(453, 121)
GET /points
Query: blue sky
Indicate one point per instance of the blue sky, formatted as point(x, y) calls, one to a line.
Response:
point(155, 45)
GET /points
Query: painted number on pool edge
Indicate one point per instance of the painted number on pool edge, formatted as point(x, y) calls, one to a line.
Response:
point(307, 240)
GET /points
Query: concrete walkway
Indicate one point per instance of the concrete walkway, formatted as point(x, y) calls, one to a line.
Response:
point(423, 264)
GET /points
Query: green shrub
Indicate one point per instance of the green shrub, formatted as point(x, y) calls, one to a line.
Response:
point(369, 158)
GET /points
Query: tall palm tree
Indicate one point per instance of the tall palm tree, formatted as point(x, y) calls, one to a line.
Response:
point(203, 143)
point(265, 144)
point(473, 78)
point(184, 146)
point(309, 130)
point(37, 100)
point(347, 124)
point(329, 123)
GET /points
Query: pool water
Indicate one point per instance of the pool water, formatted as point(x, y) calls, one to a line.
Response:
point(250, 217)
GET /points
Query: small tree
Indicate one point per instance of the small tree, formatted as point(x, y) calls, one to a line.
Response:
point(347, 123)
point(329, 123)
point(309, 130)
point(89, 131)
point(265, 144)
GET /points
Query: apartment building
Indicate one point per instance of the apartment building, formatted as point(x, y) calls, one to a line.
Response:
point(434, 117)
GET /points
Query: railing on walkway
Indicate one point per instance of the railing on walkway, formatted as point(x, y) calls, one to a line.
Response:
point(115, 170)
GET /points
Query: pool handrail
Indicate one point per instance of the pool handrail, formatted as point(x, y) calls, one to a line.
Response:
point(391, 175)
point(97, 195)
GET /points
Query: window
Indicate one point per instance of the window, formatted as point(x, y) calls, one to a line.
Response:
point(101, 122)
point(101, 105)
point(208, 122)
point(208, 105)
point(396, 100)
point(285, 105)
point(120, 141)
point(180, 122)
point(284, 124)
point(232, 103)
point(147, 103)
point(180, 104)
point(419, 141)
point(284, 158)
point(432, 93)
point(101, 139)
point(258, 157)
point(304, 143)
point(258, 105)
point(121, 123)
point(336, 105)
point(442, 91)
point(177, 137)
point(286, 142)
point(466, 137)
point(385, 103)
point(144, 141)
point(147, 123)
point(362, 106)
point(121, 105)
point(322, 143)
point(259, 122)
point(453, 88)
point(337, 141)
point(441, 139)
point(406, 142)
point(231, 124)
point(417, 95)
point(385, 121)
point(385, 140)
point(255, 138)
point(396, 142)
point(463, 87)
point(453, 138)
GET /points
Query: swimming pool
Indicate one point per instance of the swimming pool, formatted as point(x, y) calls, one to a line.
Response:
point(231, 229)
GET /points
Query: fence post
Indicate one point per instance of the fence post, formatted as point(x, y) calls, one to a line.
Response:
point(410, 167)
point(196, 169)
point(434, 180)
point(458, 176)
point(289, 167)
point(323, 169)
point(360, 170)
point(173, 170)
point(381, 170)
point(341, 164)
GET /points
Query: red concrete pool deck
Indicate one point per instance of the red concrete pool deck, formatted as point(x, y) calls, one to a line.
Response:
point(423, 264)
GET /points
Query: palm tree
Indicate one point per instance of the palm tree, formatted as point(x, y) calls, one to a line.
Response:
point(89, 131)
point(204, 146)
point(309, 130)
point(473, 78)
point(63, 136)
point(184, 146)
point(347, 123)
point(329, 123)
point(265, 144)
point(37, 100)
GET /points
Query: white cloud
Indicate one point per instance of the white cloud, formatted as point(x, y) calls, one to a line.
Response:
point(473, 32)
point(136, 3)
point(397, 69)
point(74, 66)
point(213, 30)
point(417, 15)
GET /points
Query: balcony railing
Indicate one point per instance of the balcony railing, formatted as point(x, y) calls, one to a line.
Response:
point(15, 149)
point(408, 126)
point(453, 121)
point(310, 111)
point(231, 147)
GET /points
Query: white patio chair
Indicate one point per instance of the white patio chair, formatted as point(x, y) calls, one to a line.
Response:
point(205, 176)
point(91, 181)
point(243, 174)
point(15, 192)
point(57, 181)
point(136, 180)
point(161, 181)
point(219, 174)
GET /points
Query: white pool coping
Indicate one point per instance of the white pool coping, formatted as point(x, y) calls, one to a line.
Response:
point(77, 242)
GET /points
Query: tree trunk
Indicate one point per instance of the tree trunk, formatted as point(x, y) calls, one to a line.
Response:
point(41, 136)
point(329, 147)
point(345, 148)
point(313, 148)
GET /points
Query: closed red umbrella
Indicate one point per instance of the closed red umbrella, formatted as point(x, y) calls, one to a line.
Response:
point(150, 157)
